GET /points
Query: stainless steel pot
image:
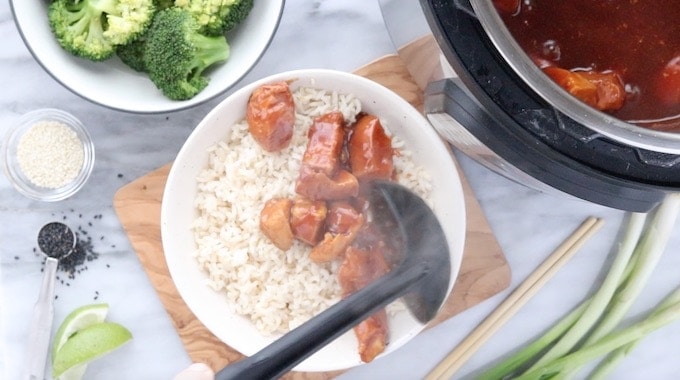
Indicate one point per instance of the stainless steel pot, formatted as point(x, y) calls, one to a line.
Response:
point(485, 96)
point(603, 123)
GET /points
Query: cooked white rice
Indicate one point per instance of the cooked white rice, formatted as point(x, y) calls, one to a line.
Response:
point(276, 290)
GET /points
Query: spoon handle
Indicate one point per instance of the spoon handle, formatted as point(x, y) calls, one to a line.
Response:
point(301, 342)
point(41, 324)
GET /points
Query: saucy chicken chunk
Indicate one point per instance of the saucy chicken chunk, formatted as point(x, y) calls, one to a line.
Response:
point(328, 211)
point(321, 176)
point(601, 90)
point(370, 150)
point(270, 114)
point(620, 57)
point(307, 218)
point(359, 268)
point(275, 222)
point(668, 83)
point(342, 216)
point(372, 335)
point(334, 245)
point(326, 137)
point(317, 185)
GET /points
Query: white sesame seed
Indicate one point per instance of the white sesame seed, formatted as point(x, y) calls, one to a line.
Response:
point(50, 154)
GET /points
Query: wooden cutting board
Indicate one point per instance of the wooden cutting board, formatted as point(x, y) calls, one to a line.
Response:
point(484, 270)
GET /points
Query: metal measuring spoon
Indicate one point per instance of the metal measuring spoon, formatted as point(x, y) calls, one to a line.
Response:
point(56, 241)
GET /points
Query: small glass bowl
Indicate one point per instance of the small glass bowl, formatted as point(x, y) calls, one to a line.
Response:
point(20, 181)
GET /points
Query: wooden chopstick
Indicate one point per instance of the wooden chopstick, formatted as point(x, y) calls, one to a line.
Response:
point(459, 355)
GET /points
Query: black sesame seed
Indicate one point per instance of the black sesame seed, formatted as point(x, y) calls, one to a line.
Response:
point(56, 239)
point(82, 253)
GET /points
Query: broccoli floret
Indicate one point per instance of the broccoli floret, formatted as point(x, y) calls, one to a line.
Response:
point(162, 4)
point(132, 53)
point(177, 54)
point(93, 28)
point(217, 16)
point(237, 14)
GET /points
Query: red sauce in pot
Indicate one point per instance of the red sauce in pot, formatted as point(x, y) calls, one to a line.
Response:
point(635, 42)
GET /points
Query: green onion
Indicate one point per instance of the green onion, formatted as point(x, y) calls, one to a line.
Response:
point(571, 362)
point(601, 298)
point(524, 356)
point(651, 248)
point(589, 332)
point(608, 364)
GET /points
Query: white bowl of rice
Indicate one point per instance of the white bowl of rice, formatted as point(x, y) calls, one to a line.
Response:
point(236, 282)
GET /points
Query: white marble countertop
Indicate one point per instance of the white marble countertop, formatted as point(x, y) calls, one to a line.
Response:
point(335, 34)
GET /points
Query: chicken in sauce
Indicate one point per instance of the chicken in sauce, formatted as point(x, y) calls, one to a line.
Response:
point(270, 114)
point(620, 57)
point(359, 268)
point(329, 210)
point(275, 222)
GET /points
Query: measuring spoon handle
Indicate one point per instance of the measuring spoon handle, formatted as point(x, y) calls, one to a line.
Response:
point(41, 325)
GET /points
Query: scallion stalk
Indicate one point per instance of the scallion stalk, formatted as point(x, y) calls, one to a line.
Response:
point(604, 294)
point(527, 354)
point(588, 332)
point(572, 362)
point(651, 248)
point(607, 365)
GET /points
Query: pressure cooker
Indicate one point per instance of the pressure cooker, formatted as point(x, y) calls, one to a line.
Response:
point(487, 98)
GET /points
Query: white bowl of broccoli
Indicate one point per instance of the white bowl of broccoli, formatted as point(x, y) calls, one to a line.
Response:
point(127, 53)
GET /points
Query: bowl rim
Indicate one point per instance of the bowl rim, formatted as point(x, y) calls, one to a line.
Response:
point(456, 237)
point(171, 106)
point(19, 180)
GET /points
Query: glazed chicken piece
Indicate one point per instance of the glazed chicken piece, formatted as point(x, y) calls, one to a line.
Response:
point(359, 268)
point(315, 185)
point(372, 335)
point(601, 90)
point(342, 215)
point(320, 173)
point(509, 6)
point(333, 245)
point(307, 219)
point(275, 222)
point(270, 114)
point(668, 83)
point(370, 150)
point(326, 136)
point(328, 214)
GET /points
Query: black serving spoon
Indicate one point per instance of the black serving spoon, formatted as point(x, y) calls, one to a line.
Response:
point(422, 277)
